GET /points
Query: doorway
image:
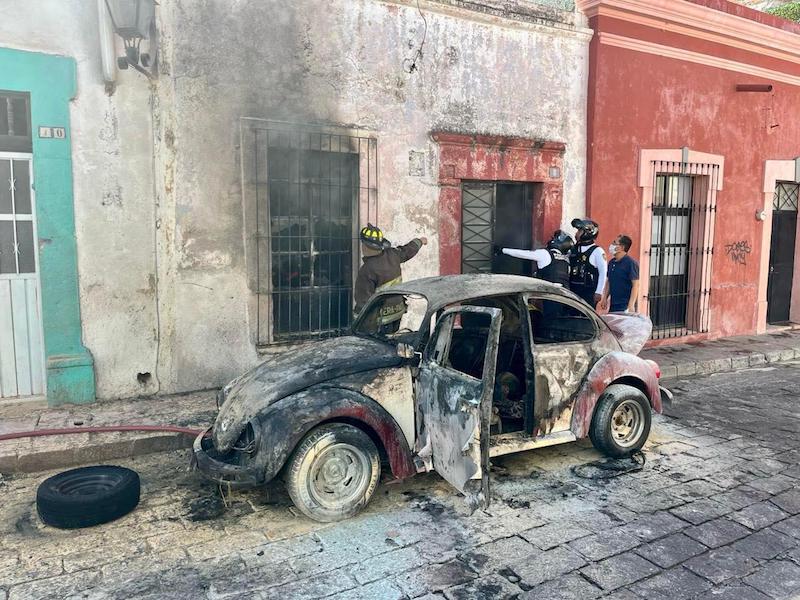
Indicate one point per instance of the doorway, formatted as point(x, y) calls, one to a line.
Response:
point(781, 252)
point(496, 214)
point(21, 348)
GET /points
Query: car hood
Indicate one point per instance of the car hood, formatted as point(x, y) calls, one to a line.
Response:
point(291, 372)
point(631, 330)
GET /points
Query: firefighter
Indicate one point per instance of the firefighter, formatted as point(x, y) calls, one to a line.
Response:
point(588, 263)
point(552, 262)
point(381, 266)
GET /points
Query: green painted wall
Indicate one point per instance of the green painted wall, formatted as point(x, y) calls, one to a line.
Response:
point(51, 82)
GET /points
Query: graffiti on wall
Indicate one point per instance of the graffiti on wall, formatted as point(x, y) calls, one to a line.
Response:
point(738, 251)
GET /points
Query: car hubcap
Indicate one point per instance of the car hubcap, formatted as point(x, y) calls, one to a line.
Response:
point(339, 475)
point(627, 423)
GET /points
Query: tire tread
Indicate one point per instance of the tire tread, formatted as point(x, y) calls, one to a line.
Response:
point(85, 510)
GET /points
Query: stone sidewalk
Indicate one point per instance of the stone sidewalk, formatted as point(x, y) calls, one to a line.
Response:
point(726, 354)
point(197, 410)
point(28, 455)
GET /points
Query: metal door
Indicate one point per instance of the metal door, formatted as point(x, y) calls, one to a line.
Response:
point(477, 224)
point(781, 254)
point(456, 402)
point(21, 347)
point(495, 214)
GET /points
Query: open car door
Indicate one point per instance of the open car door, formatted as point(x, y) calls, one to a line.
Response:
point(454, 395)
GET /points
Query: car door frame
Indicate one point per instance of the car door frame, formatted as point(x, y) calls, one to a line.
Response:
point(537, 430)
point(527, 340)
point(431, 375)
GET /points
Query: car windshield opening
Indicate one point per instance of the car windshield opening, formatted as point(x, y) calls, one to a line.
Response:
point(393, 317)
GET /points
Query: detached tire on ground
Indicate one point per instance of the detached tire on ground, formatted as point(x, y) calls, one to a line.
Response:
point(87, 496)
point(333, 472)
point(621, 421)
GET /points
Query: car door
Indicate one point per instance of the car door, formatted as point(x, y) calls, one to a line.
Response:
point(454, 394)
point(563, 353)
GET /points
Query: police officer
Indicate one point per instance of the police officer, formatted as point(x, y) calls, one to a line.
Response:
point(381, 266)
point(552, 262)
point(588, 263)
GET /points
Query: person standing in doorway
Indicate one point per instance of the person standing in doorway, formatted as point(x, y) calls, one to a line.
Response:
point(622, 287)
point(381, 267)
point(588, 263)
point(552, 263)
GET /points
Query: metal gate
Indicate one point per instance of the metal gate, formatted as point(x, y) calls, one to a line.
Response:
point(477, 225)
point(495, 214)
point(681, 247)
point(21, 346)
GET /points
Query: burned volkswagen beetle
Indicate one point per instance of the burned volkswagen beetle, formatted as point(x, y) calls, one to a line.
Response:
point(437, 374)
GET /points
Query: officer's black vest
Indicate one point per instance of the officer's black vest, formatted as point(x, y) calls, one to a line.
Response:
point(558, 270)
point(583, 275)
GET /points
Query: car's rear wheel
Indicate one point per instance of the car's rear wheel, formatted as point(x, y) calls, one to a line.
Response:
point(333, 472)
point(621, 421)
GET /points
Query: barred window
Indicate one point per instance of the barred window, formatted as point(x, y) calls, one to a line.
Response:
point(682, 237)
point(15, 122)
point(313, 185)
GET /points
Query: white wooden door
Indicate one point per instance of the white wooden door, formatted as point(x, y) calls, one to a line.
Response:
point(22, 370)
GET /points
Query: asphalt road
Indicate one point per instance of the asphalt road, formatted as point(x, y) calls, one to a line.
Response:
point(713, 513)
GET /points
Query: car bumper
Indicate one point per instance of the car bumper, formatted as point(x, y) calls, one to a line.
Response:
point(234, 476)
point(666, 395)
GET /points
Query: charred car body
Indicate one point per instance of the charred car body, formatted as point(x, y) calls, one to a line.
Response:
point(439, 374)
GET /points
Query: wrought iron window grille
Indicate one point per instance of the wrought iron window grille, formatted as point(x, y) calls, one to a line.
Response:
point(310, 188)
point(785, 197)
point(683, 216)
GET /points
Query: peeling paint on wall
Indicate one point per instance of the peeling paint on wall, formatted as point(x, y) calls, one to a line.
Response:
point(158, 190)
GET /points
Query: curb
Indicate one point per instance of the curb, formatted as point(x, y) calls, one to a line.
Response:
point(737, 362)
point(22, 456)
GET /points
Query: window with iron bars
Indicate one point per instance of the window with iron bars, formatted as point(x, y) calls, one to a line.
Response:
point(681, 248)
point(15, 122)
point(311, 187)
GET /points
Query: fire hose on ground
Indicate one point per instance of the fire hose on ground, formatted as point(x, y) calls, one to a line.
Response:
point(99, 429)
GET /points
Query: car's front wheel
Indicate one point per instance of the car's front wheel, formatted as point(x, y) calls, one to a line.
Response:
point(621, 421)
point(333, 472)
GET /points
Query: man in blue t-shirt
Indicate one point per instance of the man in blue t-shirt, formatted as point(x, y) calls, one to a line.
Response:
point(622, 285)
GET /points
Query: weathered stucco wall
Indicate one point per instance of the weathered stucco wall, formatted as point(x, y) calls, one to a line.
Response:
point(158, 193)
point(342, 65)
point(113, 191)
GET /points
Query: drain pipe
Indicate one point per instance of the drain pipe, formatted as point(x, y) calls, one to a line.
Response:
point(107, 47)
point(100, 429)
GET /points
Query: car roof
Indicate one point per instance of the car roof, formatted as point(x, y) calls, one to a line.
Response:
point(448, 289)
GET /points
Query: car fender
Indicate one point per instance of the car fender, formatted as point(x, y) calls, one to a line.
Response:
point(283, 424)
point(611, 368)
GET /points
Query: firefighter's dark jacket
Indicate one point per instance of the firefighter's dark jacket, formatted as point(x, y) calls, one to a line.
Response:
point(382, 270)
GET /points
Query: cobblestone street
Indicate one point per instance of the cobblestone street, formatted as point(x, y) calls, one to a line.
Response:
point(713, 514)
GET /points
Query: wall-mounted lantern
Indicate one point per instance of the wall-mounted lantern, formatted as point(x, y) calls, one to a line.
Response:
point(134, 21)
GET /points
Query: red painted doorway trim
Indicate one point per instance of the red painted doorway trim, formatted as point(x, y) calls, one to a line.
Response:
point(495, 158)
